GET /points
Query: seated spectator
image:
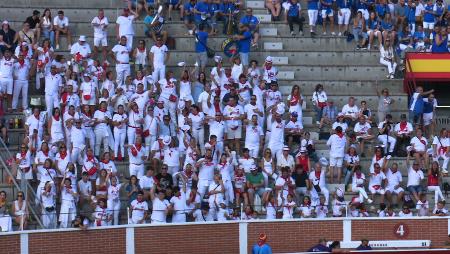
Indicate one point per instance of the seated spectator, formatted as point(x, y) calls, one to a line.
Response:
point(274, 7)
point(373, 30)
point(255, 184)
point(329, 114)
point(387, 58)
point(25, 35)
point(363, 133)
point(292, 14)
point(388, 26)
point(34, 21)
point(415, 177)
point(9, 36)
point(188, 15)
point(253, 24)
point(364, 245)
point(351, 161)
point(394, 182)
point(440, 209)
point(402, 131)
point(419, 148)
point(441, 149)
point(377, 183)
point(350, 111)
point(61, 26)
point(293, 129)
point(227, 13)
point(385, 135)
point(422, 206)
point(358, 183)
point(434, 182)
point(46, 27)
point(175, 5)
point(308, 144)
point(359, 27)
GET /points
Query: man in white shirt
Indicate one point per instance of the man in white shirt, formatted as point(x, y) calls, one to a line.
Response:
point(124, 26)
point(254, 137)
point(403, 132)
point(206, 99)
point(21, 71)
point(384, 131)
point(206, 168)
point(350, 111)
point(415, 177)
point(100, 24)
point(138, 209)
point(254, 108)
point(233, 114)
point(317, 178)
point(61, 26)
point(120, 53)
point(284, 159)
point(53, 87)
point(80, 51)
point(78, 141)
point(102, 118)
point(337, 143)
point(376, 183)
point(217, 128)
point(363, 132)
point(6, 75)
point(159, 55)
point(394, 180)
point(137, 155)
point(276, 135)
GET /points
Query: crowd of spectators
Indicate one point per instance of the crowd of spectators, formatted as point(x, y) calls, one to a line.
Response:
point(200, 145)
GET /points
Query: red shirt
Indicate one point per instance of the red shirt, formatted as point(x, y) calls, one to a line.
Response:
point(303, 160)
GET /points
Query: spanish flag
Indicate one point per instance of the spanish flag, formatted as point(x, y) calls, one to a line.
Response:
point(428, 66)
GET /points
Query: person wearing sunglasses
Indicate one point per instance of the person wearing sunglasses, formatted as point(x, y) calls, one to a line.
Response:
point(20, 210)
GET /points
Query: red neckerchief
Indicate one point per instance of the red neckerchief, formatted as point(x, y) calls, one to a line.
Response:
point(45, 153)
point(340, 134)
point(103, 110)
point(25, 52)
point(358, 175)
point(141, 50)
point(294, 100)
point(45, 49)
point(56, 118)
point(63, 155)
point(195, 114)
point(37, 117)
point(377, 158)
point(105, 161)
point(138, 146)
point(188, 174)
point(90, 158)
point(217, 107)
point(22, 63)
point(403, 126)
point(318, 175)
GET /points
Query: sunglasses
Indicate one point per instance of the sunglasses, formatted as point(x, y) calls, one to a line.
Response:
point(19, 196)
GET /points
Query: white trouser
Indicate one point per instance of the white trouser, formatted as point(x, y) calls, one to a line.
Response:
point(362, 193)
point(229, 192)
point(179, 217)
point(149, 140)
point(131, 135)
point(91, 137)
point(437, 193)
point(20, 86)
point(202, 186)
point(345, 17)
point(76, 156)
point(390, 65)
point(49, 219)
point(68, 137)
point(6, 85)
point(219, 147)
point(67, 213)
point(119, 141)
point(253, 150)
point(137, 170)
point(315, 196)
point(159, 72)
point(122, 71)
point(101, 137)
point(199, 135)
point(275, 148)
point(312, 15)
point(110, 139)
point(114, 207)
point(385, 139)
point(445, 158)
point(51, 102)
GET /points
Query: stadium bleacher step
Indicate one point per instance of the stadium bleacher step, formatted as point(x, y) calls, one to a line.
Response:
point(264, 18)
point(268, 31)
point(255, 4)
point(273, 46)
point(288, 75)
point(279, 60)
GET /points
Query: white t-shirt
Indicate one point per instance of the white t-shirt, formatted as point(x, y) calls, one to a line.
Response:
point(362, 129)
point(284, 184)
point(159, 55)
point(414, 177)
point(159, 210)
point(197, 120)
point(393, 178)
point(217, 128)
point(172, 157)
point(21, 71)
point(441, 143)
point(52, 84)
point(318, 180)
point(419, 145)
point(276, 134)
point(377, 179)
point(234, 112)
point(206, 170)
point(125, 25)
point(253, 136)
point(61, 22)
point(406, 130)
point(139, 209)
point(203, 100)
point(179, 203)
point(350, 110)
point(122, 53)
point(84, 49)
point(337, 146)
point(100, 31)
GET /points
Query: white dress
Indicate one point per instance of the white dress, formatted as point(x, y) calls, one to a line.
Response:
point(141, 57)
point(56, 131)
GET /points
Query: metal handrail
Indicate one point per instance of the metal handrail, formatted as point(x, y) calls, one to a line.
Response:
point(25, 183)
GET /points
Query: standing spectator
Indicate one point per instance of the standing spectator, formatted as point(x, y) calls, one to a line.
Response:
point(233, 114)
point(8, 35)
point(292, 13)
point(337, 144)
point(359, 27)
point(159, 56)
point(394, 181)
point(416, 104)
point(441, 149)
point(253, 24)
point(120, 53)
point(387, 58)
point(53, 86)
point(434, 182)
point(61, 26)
point(377, 183)
point(139, 209)
point(68, 209)
point(34, 22)
point(415, 177)
point(429, 112)
point(440, 42)
point(46, 27)
point(100, 24)
point(201, 43)
point(188, 15)
point(400, 11)
point(319, 100)
point(327, 11)
point(313, 11)
point(270, 71)
point(344, 14)
point(25, 35)
point(384, 103)
point(6, 78)
point(244, 41)
point(124, 26)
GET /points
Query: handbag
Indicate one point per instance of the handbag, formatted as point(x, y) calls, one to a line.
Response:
point(50, 209)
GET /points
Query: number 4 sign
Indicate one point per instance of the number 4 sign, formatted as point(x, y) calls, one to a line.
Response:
point(401, 230)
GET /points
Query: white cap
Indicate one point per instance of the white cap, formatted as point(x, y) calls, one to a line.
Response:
point(217, 59)
point(167, 140)
point(268, 59)
point(208, 146)
point(286, 148)
point(82, 38)
point(185, 127)
point(5, 22)
point(181, 64)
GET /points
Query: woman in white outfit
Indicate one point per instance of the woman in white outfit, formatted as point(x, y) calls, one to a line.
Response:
point(140, 53)
point(295, 101)
point(358, 182)
point(68, 209)
point(20, 210)
point(268, 166)
point(387, 57)
point(186, 86)
point(48, 196)
point(226, 169)
point(114, 198)
point(48, 174)
point(55, 125)
point(197, 119)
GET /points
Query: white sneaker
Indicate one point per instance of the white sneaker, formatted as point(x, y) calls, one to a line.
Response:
point(317, 122)
point(444, 171)
point(292, 33)
point(324, 33)
point(57, 46)
point(333, 33)
point(339, 34)
point(370, 201)
point(391, 76)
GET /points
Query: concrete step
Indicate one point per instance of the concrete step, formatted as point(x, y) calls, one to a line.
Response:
point(255, 4)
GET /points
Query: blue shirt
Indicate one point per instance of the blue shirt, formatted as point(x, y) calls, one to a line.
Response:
point(147, 20)
point(361, 5)
point(428, 17)
point(313, 4)
point(443, 48)
point(428, 106)
point(203, 8)
point(293, 10)
point(419, 35)
point(411, 14)
point(439, 10)
point(202, 37)
point(264, 249)
point(188, 7)
point(251, 21)
point(386, 25)
point(327, 5)
point(344, 4)
point(244, 44)
point(372, 24)
point(381, 9)
point(226, 8)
